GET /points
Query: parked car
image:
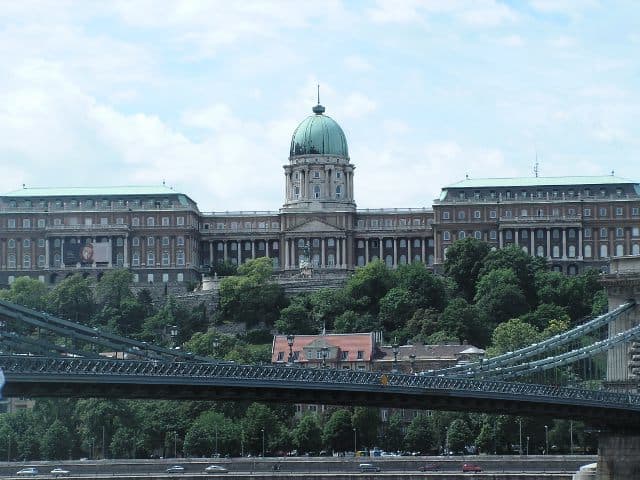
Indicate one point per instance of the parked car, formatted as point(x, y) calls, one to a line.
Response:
point(60, 472)
point(27, 471)
point(369, 467)
point(429, 467)
point(471, 467)
point(175, 469)
point(216, 469)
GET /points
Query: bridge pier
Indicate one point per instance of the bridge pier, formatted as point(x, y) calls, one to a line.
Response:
point(619, 452)
point(618, 456)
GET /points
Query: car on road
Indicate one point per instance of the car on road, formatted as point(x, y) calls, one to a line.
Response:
point(429, 467)
point(369, 467)
point(175, 469)
point(60, 472)
point(216, 469)
point(27, 471)
point(471, 467)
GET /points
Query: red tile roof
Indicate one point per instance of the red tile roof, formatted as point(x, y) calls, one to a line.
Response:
point(344, 342)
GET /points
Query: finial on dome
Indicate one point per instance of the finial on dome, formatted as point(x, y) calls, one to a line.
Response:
point(318, 109)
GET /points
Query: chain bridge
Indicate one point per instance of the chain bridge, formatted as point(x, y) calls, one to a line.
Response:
point(588, 373)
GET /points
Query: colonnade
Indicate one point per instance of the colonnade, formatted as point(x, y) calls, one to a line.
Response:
point(532, 232)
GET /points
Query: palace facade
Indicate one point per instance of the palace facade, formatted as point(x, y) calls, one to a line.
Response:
point(162, 237)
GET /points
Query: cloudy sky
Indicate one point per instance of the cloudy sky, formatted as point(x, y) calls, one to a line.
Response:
point(206, 94)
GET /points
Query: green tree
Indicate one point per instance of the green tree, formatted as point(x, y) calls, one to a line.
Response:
point(366, 421)
point(544, 314)
point(73, 299)
point(368, 285)
point(352, 322)
point(296, 319)
point(419, 436)
point(56, 442)
point(114, 287)
point(307, 434)
point(463, 321)
point(258, 419)
point(512, 335)
point(465, 259)
point(393, 437)
point(396, 308)
point(251, 297)
point(338, 432)
point(427, 289)
point(211, 433)
point(27, 292)
point(498, 297)
point(329, 303)
point(459, 436)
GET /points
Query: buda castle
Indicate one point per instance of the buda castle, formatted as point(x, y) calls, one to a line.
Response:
point(161, 236)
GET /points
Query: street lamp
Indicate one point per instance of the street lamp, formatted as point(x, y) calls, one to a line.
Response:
point(546, 438)
point(396, 348)
point(412, 358)
point(520, 423)
point(527, 445)
point(571, 436)
point(355, 441)
point(263, 443)
point(325, 349)
point(290, 343)
point(175, 444)
point(216, 441)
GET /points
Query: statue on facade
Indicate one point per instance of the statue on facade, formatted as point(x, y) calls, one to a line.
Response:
point(305, 260)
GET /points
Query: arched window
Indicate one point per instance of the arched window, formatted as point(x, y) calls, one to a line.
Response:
point(301, 242)
point(26, 261)
point(331, 259)
point(572, 251)
point(508, 235)
point(360, 244)
point(430, 259)
point(539, 251)
point(572, 270)
point(403, 259)
point(523, 212)
point(151, 259)
point(338, 191)
point(360, 260)
point(150, 221)
point(388, 260)
point(403, 243)
point(296, 192)
point(417, 259)
point(56, 260)
point(619, 250)
point(315, 260)
point(604, 251)
point(525, 249)
point(460, 235)
point(316, 191)
point(165, 259)
point(587, 251)
point(635, 249)
point(417, 244)
point(556, 251)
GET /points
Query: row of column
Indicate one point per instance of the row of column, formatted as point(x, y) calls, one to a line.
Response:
point(329, 193)
point(225, 249)
point(548, 241)
point(395, 250)
point(291, 252)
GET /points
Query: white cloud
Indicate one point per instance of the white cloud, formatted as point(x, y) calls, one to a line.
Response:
point(356, 105)
point(511, 41)
point(356, 63)
point(563, 42)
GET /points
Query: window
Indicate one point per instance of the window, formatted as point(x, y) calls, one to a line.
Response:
point(523, 212)
point(296, 192)
point(135, 259)
point(165, 277)
point(493, 214)
point(180, 258)
point(555, 234)
point(344, 355)
point(104, 221)
point(136, 241)
point(388, 243)
point(247, 246)
point(11, 223)
point(135, 222)
point(635, 211)
point(180, 241)
point(635, 231)
point(403, 242)
point(41, 242)
point(180, 221)
point(41, 261)
point(11, 260)
point(507, 214)
point(374, 223)
point(234, 246)
point(556, 251)
point(619, 232)
point(618, 211)
point(165, 241)
point(493, 234)
point(165, 221)
point(41, 223)
point(26, 223)
point(445, 215)
point(150, 241)
point(165, 259)
point(572, 251)
point(603, 233)
point(461, 235)
point(26, 261)
point(476, 214)
point(571, 212)
point(316, 174)
point(151, 259)
point(149, 277)
point(220, 246)
point(26, 243)
point(446, 236)
point(508, 235)
point(316, 191)
point(587, 232)
point(572, 233)
point(360, 354)
point(587, 212)
point(603, 212)
point(338, 191)
point(461, 215)
point(478, 235)
point(604, 251)
point(150, 221)
point(587, 251)
point(525, 234)
point(416, 243)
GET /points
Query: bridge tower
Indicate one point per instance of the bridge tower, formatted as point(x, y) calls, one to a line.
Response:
point(619, 451)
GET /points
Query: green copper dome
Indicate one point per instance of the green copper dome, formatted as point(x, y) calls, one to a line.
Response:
point(319, 135)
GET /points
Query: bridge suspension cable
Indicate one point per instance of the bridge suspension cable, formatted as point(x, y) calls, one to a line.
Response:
point(521, 355)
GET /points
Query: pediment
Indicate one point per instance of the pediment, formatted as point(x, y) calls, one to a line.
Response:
point(313, 226)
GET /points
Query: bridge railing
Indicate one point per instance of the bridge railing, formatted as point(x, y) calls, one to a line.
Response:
point(29, 368)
